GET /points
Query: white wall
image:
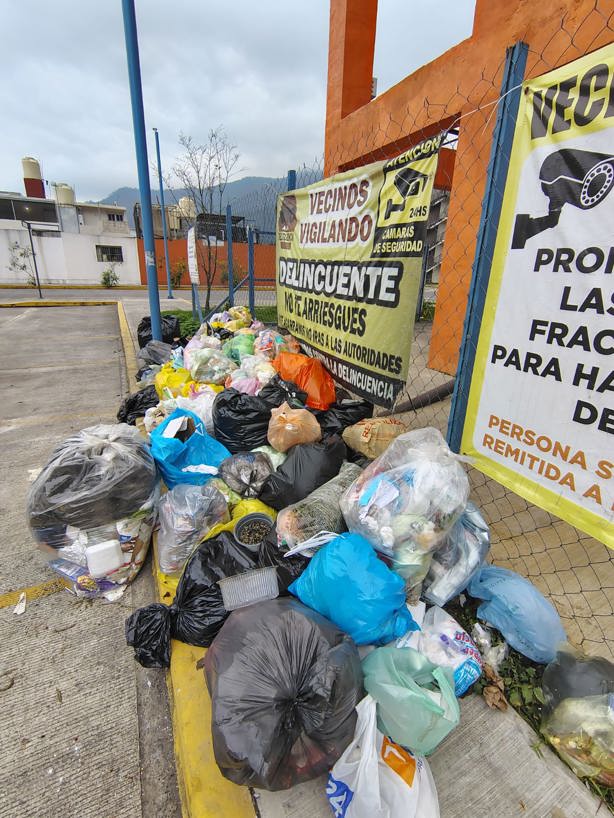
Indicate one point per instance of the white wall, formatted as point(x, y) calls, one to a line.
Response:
point(67, 258)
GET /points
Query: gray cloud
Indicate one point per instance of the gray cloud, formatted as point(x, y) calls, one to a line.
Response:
point(259, 69)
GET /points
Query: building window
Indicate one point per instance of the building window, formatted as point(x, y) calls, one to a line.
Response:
point(115, 217)
point(105, 253)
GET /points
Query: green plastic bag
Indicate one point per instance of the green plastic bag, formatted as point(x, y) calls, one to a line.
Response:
point(416, 705)
point(238, 347)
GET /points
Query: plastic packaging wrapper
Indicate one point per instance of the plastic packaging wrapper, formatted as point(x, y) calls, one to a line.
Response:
point(307, 467)
point(169, 325)
point(277, 391)
point(269, 344)
point(573, 675)
point(187, 514)
point(445, 643)
point(407, 500)
point(147, 374)
point(492, 654)
point(347, 583)
point(372, 436)
point(519, 611)
point(310, 375)
point(582, 732)
point(201, 404)
point(197, 612)
point(288, 427)
point(416, 704)
point(231, 497)
point(342, 414)
point(170, 381)
point(284, 683)
point(245, 473)
point(288, 568)
point(241, 422)
point(376, 778)
point(135, 406)
point(276, 458)
point(95, 477)
point(183, 450)
point(154, 352)
point(459, 558)
point(319, 511)
point(210, 366)
point(200, 341)
point(238, 347)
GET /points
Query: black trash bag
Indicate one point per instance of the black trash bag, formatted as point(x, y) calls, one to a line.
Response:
point(341, 415)
point(197, 612)
point(284, 682)
point(154, 352)
point(572, 675)
point(245, 473)
point(93, 478)
point(307, 467)
point(135, 406)
point(170, 330)
point(241, 422)
point(288, 569)
point(277, 391)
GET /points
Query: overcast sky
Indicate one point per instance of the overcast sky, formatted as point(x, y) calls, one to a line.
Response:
point(257, 68)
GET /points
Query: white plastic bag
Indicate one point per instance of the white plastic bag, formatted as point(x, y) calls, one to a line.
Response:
point(445, 643)
point(376, 778)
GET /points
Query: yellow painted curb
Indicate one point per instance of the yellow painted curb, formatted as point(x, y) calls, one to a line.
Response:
point(128, 344)
point(204, 791)
point(32, 592)
point(92, 303)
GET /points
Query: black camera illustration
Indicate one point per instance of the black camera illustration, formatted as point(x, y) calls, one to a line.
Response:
point(579, 178)
point(408, 182)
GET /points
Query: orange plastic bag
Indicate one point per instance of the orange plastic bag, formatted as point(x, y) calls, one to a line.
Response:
point(288, 427)
point(308, 374)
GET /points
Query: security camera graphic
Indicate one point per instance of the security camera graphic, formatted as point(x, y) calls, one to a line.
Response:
point(408, 182)
point(579, 178)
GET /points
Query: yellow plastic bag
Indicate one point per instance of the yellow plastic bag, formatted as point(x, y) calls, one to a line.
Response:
point(193, 387)
point(242, 509)
point(241, 314)
point(169, 382)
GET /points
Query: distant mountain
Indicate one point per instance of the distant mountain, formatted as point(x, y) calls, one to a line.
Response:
point(253, 197)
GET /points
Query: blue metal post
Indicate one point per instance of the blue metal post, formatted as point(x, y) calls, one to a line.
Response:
point(231, 283)
point(291, 184)
point(503, 136)
point(163, 213)
point(140, 142)
point(250, 272)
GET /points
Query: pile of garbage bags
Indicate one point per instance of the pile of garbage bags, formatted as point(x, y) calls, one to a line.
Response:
point(299, 534)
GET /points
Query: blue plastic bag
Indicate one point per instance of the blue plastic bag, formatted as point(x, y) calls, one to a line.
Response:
point(347, 583)
point(519, 611)
point(175, 458)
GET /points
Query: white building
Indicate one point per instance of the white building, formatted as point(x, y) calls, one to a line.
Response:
point(74, 242)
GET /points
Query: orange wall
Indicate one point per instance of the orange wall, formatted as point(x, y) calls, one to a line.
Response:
point(465, 78)
point(264, 261)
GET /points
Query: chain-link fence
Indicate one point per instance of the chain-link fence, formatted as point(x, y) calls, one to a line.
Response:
point(574, 570)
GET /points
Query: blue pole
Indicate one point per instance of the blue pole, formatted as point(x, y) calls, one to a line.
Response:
point(140, 142)
point(250, 272)
point(163, 213)
point(291, 183)
point(231, 283)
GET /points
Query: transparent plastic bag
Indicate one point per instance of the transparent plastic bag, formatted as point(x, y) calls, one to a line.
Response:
point(581, 730)
point(239, 347)
point(276, 458)
point(376, 778)
point(319, 511)
point(407, 500)
point(245, 473)
point(459, 557)
point(210, 366)
point(288, 427)
point(416, 704)
point(201, 405)
point(187, 514)
point(269, 344)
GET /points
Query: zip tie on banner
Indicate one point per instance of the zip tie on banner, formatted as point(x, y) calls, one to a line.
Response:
point(315, 542)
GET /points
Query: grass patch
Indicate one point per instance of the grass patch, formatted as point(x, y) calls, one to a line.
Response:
point(268, 315)
point(428, 311)
point(187, 324)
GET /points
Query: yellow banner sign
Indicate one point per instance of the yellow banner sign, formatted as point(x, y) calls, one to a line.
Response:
point(349, 261)
point(540, 414)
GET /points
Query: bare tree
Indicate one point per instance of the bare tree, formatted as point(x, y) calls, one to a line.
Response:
point(204, 170)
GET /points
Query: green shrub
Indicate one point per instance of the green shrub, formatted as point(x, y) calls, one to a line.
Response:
point(109, 277)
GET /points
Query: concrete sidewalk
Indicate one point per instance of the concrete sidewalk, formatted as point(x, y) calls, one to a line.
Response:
point(85, 730)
